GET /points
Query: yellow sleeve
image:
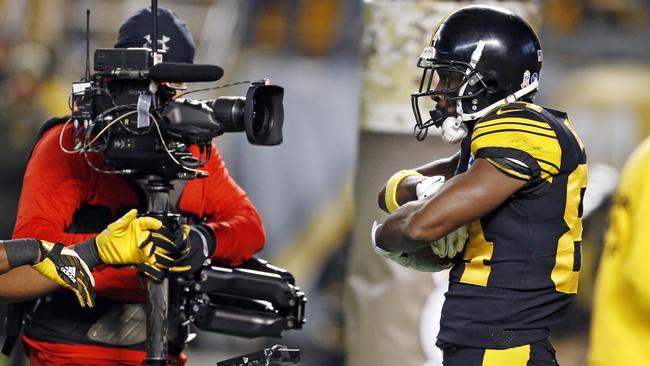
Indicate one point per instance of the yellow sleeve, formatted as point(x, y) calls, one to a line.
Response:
point(523, 148)
point(629, 230)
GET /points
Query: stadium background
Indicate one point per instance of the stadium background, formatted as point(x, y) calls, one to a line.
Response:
point(343, 131)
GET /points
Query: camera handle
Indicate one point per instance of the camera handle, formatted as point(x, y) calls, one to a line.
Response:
point(157, 191)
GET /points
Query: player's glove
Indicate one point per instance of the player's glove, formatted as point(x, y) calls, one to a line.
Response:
point(451, 244)
point(136, 240)
point(197, 243)
point(428, 186)
point(64, 266)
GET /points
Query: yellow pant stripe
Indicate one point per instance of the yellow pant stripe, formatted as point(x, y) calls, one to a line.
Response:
point(517, 356)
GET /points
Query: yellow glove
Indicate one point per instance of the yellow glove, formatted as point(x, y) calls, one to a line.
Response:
point(63, 266)
point(131, 240)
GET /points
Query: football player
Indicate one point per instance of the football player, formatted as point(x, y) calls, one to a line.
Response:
point(517, 183)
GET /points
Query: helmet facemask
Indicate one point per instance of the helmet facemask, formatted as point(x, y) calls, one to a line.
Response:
point(459, 83)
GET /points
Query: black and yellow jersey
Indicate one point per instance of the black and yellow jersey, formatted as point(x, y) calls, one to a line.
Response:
point(520, 268)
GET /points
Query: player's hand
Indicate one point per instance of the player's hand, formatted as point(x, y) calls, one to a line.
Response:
point(136, 240)
point(397, 257)
point(425, 261)
point(65, 267)
point(197, 244)
point(422, 260)
point(451, 244)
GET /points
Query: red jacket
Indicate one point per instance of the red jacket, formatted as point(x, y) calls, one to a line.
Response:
point(57, 184)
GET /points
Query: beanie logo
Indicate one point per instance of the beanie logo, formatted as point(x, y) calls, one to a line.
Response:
point(162, 43)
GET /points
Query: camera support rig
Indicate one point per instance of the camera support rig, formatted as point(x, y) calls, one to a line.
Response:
point(251, 300)
point(157, 192)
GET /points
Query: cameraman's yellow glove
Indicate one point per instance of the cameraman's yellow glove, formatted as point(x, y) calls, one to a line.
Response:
point(132, 240)
point(63, 266)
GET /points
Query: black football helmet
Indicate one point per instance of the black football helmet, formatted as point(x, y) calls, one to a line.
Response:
point(479, 57)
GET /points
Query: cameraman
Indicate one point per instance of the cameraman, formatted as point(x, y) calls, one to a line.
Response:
point(64, 199)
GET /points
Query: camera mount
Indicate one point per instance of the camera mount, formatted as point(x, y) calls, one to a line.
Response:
point(128, 112)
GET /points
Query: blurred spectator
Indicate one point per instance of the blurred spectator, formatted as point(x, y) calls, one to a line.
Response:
point(620, 331)
point(20, 109)
point(5, 58)
point(21, 113)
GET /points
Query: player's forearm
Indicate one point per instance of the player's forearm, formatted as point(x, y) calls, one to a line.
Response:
point(446, 167)
point(405, 192)
point(15, 253)
point(24, 283)
point(396, 234)
point(18, 280)
point(406, 189)
point(4, 263)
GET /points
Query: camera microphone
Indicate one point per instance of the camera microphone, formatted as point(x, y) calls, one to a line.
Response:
point(177, 72)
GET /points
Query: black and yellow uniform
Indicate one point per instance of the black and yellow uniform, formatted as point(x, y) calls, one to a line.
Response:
point(520, 269)
point(536, 354)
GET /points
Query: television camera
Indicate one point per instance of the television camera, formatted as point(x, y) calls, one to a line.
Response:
point(133, 111)
point(130, 112)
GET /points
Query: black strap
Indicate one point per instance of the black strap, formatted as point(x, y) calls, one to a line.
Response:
point(46, 126)
point(16, 312)
point(14, 325)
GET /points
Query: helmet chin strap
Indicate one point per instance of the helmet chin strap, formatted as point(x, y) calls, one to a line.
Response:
point(509, 99)
point(454, 129)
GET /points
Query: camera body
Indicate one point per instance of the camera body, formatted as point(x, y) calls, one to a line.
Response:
point(129, 111)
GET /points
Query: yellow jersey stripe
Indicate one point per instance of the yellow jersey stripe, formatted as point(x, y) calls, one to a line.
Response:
point(516, 356)
point(564, 274)
point(514, 120)
point(477, 250)
point(514, 130)
point(546, 174)
point(532, 106)
point(545, 149)
point(550, 164)
point(509, 171)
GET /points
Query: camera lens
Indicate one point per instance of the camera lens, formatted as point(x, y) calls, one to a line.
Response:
point(229, 112)
point(260, 114)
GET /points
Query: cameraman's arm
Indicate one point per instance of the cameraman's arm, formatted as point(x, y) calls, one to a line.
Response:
point(230, 214)
point(406, 189)
point(53, 189)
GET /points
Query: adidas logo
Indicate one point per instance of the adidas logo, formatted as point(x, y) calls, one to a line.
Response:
point(70, 272)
